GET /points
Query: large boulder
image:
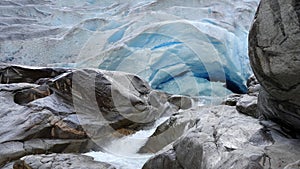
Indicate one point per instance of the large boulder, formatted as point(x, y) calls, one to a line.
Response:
point(44, 110)
point(122, 99)
point(275, 59)
point(223, 138)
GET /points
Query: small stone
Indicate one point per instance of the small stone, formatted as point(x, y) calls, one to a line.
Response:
point(248, 105)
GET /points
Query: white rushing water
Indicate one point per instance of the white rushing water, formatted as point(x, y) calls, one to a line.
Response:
point(122, 153)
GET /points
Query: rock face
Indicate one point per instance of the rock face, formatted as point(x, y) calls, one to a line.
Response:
point(275, 58)
point(223, 138)
point(59, 161)
point(43, 125)
point(168, 132)
point(46, 110)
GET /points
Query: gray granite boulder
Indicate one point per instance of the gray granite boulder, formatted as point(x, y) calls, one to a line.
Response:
point(275, 59)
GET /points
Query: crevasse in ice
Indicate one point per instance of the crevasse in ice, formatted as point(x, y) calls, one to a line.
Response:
point(192, 47)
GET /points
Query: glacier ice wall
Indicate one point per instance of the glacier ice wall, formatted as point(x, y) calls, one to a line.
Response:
point(193, 47)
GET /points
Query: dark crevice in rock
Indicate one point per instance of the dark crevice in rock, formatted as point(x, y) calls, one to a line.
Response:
point(253, 45)
point(280, 130)
point(44, 133)
point(266, 160)
point(296, 6)
point(142, 88)
point(215, 136)
point(285, 129)
point(18, 74)
point(291, 88)
point(275, 7)
point(284, 40)
point(25, 96)
point(282, 112)
point(228, 149)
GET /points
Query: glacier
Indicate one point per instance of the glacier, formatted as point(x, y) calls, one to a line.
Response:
point(193, 47)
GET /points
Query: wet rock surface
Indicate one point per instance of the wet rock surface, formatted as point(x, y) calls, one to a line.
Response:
point(273, 48)
point(45, 110)
point(75, 111)
point(168, 132)
point(232, 135)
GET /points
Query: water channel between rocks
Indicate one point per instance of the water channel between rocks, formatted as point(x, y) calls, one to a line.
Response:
point(122, 152)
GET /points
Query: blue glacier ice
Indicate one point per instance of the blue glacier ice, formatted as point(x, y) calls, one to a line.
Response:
point(196, 48)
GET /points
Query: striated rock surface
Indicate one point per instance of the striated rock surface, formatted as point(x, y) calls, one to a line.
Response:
point(45, 110)
point(275, 58)
point(222, 138)
point(183, 120)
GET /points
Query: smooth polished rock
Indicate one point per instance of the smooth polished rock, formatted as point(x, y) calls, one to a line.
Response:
point(168, 132)
point(181, 102)
point(60, 161)
point(55, 110)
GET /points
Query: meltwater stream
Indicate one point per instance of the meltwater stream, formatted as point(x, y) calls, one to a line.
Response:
point(122, 153)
